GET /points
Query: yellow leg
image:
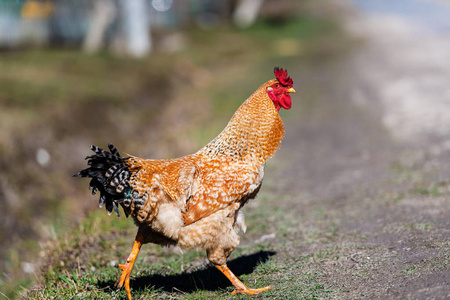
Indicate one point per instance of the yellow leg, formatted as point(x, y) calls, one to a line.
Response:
point(128, 266)
point(240, 287)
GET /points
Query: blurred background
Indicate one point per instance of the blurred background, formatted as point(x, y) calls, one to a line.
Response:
point(161, 78)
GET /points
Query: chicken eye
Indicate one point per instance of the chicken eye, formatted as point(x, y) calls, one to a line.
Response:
point(276, 85)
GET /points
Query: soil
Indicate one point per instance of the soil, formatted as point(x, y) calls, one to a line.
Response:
point(367, 146)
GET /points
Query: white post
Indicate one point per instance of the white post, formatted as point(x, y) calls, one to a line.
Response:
point(136, 21)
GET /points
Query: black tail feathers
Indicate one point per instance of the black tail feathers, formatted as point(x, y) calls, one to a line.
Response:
point(110, 175)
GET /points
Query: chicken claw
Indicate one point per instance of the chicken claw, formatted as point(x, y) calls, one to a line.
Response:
point(124, 279)
point(240, 287)
point(250, 291)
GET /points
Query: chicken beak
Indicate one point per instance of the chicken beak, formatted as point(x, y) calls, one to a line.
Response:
point(290, 90)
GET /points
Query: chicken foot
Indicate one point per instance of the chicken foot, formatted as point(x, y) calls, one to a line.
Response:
point(240, 287)
point(128, 266)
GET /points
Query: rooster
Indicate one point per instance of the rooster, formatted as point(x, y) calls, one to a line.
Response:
point(195, 201)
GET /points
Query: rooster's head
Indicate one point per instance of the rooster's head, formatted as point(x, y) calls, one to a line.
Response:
point(279, 91)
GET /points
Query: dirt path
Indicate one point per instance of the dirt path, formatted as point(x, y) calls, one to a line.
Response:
point(367, 162)
point(355, 204)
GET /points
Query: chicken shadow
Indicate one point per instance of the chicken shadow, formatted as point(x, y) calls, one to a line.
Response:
point(208, 279)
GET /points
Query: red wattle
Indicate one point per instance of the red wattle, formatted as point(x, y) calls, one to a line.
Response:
point(285, 101)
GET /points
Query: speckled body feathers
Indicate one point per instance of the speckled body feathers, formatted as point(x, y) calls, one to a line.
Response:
point(195, 200)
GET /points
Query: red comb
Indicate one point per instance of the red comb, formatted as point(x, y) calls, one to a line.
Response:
point(283, 77)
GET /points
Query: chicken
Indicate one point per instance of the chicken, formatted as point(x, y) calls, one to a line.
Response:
point(195, 201)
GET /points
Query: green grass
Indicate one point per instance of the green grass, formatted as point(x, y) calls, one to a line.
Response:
point(82, 263)
point(84, 77)
point(432, 190)
point(410, 270)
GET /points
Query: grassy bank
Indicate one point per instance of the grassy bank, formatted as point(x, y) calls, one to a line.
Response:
point(58, 102)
